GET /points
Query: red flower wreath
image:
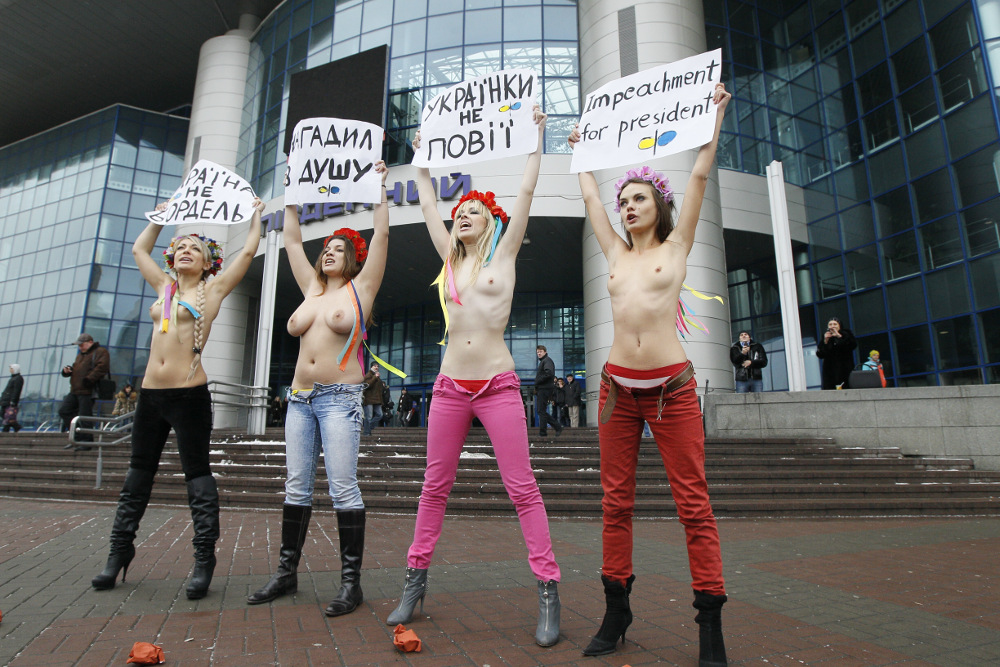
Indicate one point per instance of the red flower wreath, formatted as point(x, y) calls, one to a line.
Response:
point(360, 246)
point(487, 199)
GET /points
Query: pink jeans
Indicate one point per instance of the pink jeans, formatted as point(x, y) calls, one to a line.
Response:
point(498, 406)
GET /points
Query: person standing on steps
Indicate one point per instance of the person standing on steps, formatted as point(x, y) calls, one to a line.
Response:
point(648, 379)
point(748, 357)
point(175, 392)
point(11, 398)
point(92, 363)
point(545, 387)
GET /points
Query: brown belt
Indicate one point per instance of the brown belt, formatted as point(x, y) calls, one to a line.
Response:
point(672, 383)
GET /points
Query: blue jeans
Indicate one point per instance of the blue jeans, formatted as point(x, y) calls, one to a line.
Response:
point(373, 415)
point(327, 418)
point(745, 387)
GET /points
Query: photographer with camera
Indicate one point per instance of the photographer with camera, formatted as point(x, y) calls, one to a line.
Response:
point(748, 357)
point(836, 349)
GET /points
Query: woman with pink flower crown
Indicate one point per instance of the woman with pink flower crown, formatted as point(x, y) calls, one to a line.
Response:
point(175, 391)
point(477, 379)
point(648, 379)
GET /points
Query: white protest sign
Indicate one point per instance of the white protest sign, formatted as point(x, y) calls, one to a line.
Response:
point(479, 119)
point(649, 114)
point(210, 194)
point(333, 160)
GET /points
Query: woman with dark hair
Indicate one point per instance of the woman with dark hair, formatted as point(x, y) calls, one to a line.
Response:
point(648, 379)
point(10, 399)
point(836, 349)
point(125, 400)
point(324, 407)
point(477, 379)
point(175, 391)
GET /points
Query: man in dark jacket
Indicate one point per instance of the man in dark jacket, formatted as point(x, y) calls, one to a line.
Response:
point(371, 399)
point(408, 409)
point(748, 357)
point(10, 399)
point(92, 363)
point(545, 386)
point(572, 390)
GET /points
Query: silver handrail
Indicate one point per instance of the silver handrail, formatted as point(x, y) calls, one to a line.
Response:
point(241, 396)
point(105, 431)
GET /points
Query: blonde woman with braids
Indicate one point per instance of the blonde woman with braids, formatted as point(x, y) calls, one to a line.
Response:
point(477, 379)
point(324, 409)
point(175, 391)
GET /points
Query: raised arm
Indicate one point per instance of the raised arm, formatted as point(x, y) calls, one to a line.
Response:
point(302, 269)
point(141, 249)
point(239, 263)
point(687, 221)
point(428, 206)
point(371, 275)
point(608, 239)
point(510, 243)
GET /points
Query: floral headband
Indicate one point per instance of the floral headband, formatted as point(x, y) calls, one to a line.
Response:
point(214, 251)
point(487, 198)
point(654, 178)
point(360, 246)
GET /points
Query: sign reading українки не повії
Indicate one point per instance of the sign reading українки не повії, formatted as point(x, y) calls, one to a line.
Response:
point(649, 114)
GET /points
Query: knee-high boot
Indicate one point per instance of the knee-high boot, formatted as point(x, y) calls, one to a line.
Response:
point(709, 619)
point(203, 498)
point(617, 617)
point(351, 526)
point(294, 525)
point(132, 503)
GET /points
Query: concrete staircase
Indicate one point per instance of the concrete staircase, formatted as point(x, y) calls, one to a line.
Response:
point(763, 478)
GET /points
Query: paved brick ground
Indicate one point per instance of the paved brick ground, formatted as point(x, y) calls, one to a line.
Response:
point(828, 592)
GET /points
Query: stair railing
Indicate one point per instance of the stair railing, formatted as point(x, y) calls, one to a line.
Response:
point(242, 397)
point(103, 431)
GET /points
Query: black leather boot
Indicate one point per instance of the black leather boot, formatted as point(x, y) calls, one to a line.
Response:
point(709, 620)
point(351, 526)
point(294, 525)
point(132, 503)
point(203, 498)
point(617, 618)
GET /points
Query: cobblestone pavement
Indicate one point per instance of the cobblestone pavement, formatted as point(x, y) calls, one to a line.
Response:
point(894, 591)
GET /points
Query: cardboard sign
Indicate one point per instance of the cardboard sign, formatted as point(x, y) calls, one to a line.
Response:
point(649, 114)
point(210, 194)
point(333, 160)
point(478, 120)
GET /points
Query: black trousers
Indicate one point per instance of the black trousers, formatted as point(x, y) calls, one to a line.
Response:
point(188, 411)
point(73, 405)
point(542, 397)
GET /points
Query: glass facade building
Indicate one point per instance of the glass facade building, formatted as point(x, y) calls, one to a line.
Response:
point(883, 112)
point(72, 201)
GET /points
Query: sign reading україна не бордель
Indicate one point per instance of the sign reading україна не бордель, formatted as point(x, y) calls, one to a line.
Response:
point(209, 194)
point(480, 119)
point(649, 114)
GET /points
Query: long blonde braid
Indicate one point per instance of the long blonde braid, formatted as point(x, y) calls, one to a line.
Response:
point(199, 328)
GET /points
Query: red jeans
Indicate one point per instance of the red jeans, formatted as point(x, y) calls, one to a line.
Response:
point(681, 440)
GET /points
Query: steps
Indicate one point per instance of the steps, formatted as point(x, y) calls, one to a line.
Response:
point(762, 478)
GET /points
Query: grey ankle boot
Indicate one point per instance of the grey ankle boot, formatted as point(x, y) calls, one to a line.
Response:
point(547, 632)
point(414, 589)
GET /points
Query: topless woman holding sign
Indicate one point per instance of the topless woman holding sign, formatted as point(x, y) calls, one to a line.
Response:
point(649, 379)
point(477, 379)
point(175, 391)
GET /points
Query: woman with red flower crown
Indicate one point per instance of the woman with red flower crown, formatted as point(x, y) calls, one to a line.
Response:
point(477, 379)
point(324, 407)
point(175, 392)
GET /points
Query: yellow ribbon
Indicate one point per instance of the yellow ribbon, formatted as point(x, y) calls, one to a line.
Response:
point(387, 366)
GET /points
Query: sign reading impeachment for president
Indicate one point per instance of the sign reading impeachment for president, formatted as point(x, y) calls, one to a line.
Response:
point(210, 194)
point(333, 159)
point(649, 114)
point(478, 120)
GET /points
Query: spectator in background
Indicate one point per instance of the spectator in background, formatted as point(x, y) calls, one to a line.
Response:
point(559, 399)
point(371, 399)
point(92, 363)
point(11, 398)
point(125, 400)
point(407, 409)
point(545, 387)
point(748, 357)
point(572, 391)
point(836, 349)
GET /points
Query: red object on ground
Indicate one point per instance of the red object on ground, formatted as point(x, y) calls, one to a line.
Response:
point(144, 653)
point(405, 640)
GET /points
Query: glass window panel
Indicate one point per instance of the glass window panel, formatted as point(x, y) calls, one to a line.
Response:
point(557, 130)
point(933, 196)
point(120, 178)
point(127, 307)
point(861, 15)
point(824, 237)
point(561, 61)
point(863, 268)
point(887, 169)
point(562, 96)
point(868, 50)
point(443, 67)
point(925, 151)
point(906, 303)
point(483, 26)
point(962, 80)
point(377, 14)
point(756, 157)
point(956, 343)
point(986, 282)
point(321, 35)
point(347, 23)
point(408, 37)
point(977, 175)
point(856, 226)
point(918, 106)
point(370, 40)
point(982, 228)
point(829, 278)
point(100, 304)
point(124, 154)
point(410, 9)
point(442, 6)
point(903, 24)
point(559, 22)
point(941, 242)
point(913, 350)
point(444, 31)
point(953, 36)
point(481, 60)
point(899, 256)
point(881, 127)
point(348, 47)
point(522, 23)
point(948, 292)
point(989, 324)
point(869, 312)
point(298, 48)
point(911, 65)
